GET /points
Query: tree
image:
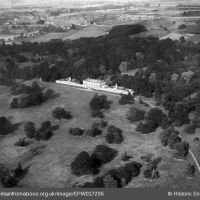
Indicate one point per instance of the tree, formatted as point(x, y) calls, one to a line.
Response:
point(104, 153)
point(5, 126)
point(147, 126)
point(43, 134)
point(81, 164)
point(29, 129)
point(110, 182)
point(61, 113)
point(155, 115)
point(190, 129)
point(182, 149)
point(99, 102)
point(93, 132)
point(76, 131)
point(114, 135)
point(190, 171)
point(46, 125)
point(134, 168)
point(135, 114)
point(14, 103)
point(126, 99)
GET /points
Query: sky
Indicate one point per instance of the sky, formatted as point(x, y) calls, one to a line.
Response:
point(50, 2)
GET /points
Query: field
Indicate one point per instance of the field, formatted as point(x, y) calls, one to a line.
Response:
point(89, 31)
point(50, 36)
point(51, 166)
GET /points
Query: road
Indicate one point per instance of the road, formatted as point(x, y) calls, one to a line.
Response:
point(190, 151)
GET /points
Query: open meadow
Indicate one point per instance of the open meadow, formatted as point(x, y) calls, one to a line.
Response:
point(49, 161)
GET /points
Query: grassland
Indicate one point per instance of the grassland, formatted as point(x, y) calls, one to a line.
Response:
point(89, 31)
point(51, 166)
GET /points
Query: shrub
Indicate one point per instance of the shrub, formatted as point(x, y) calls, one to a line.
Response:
point(76, 131)
point(169, 137)
point(93, 132)
point(5, 126)
point(182, 149)
point(126, 99)
point(104, 153)
point(97, 114)
point(43, 134)
point(196, 139)
point(95, 125)
point(7, 178)
point(110, 182)
point(182, 26)
point(124, 175)
point(81, 164)
point(14, 103)
point(103, 124)
point(190, 129)
point(45, 125)
point(99, 102)
point(23, 142)
point(125, 157)
point(151, 174)
point(10, 177)
point(61, 113)
point(114, 135)
point(114, 138)
point(146, 126)
point(166, 122)
point(135, 114)
point(156, 115)
point(173, 139)
point(134, 168)
point(190, 171)
point(29, 129)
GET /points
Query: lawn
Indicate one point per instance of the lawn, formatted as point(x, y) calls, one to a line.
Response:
point(51, 166)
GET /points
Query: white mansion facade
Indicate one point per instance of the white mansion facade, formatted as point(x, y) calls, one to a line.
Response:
point(94, 84)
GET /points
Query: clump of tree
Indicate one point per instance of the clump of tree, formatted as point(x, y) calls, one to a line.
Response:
point(32, 95)
point(126, 99)
point(126, 30)
point(170, 137)
point(89, 164)
point(43, 133)
point(116, 178)
point(61, 113)
point(114, 135)
point(11, 177)
point(97, 104)
point(76, 131)
point(146, 126)
point(135, 114)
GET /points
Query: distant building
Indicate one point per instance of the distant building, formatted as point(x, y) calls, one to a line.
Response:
point(98, 85)
point(93, 84)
